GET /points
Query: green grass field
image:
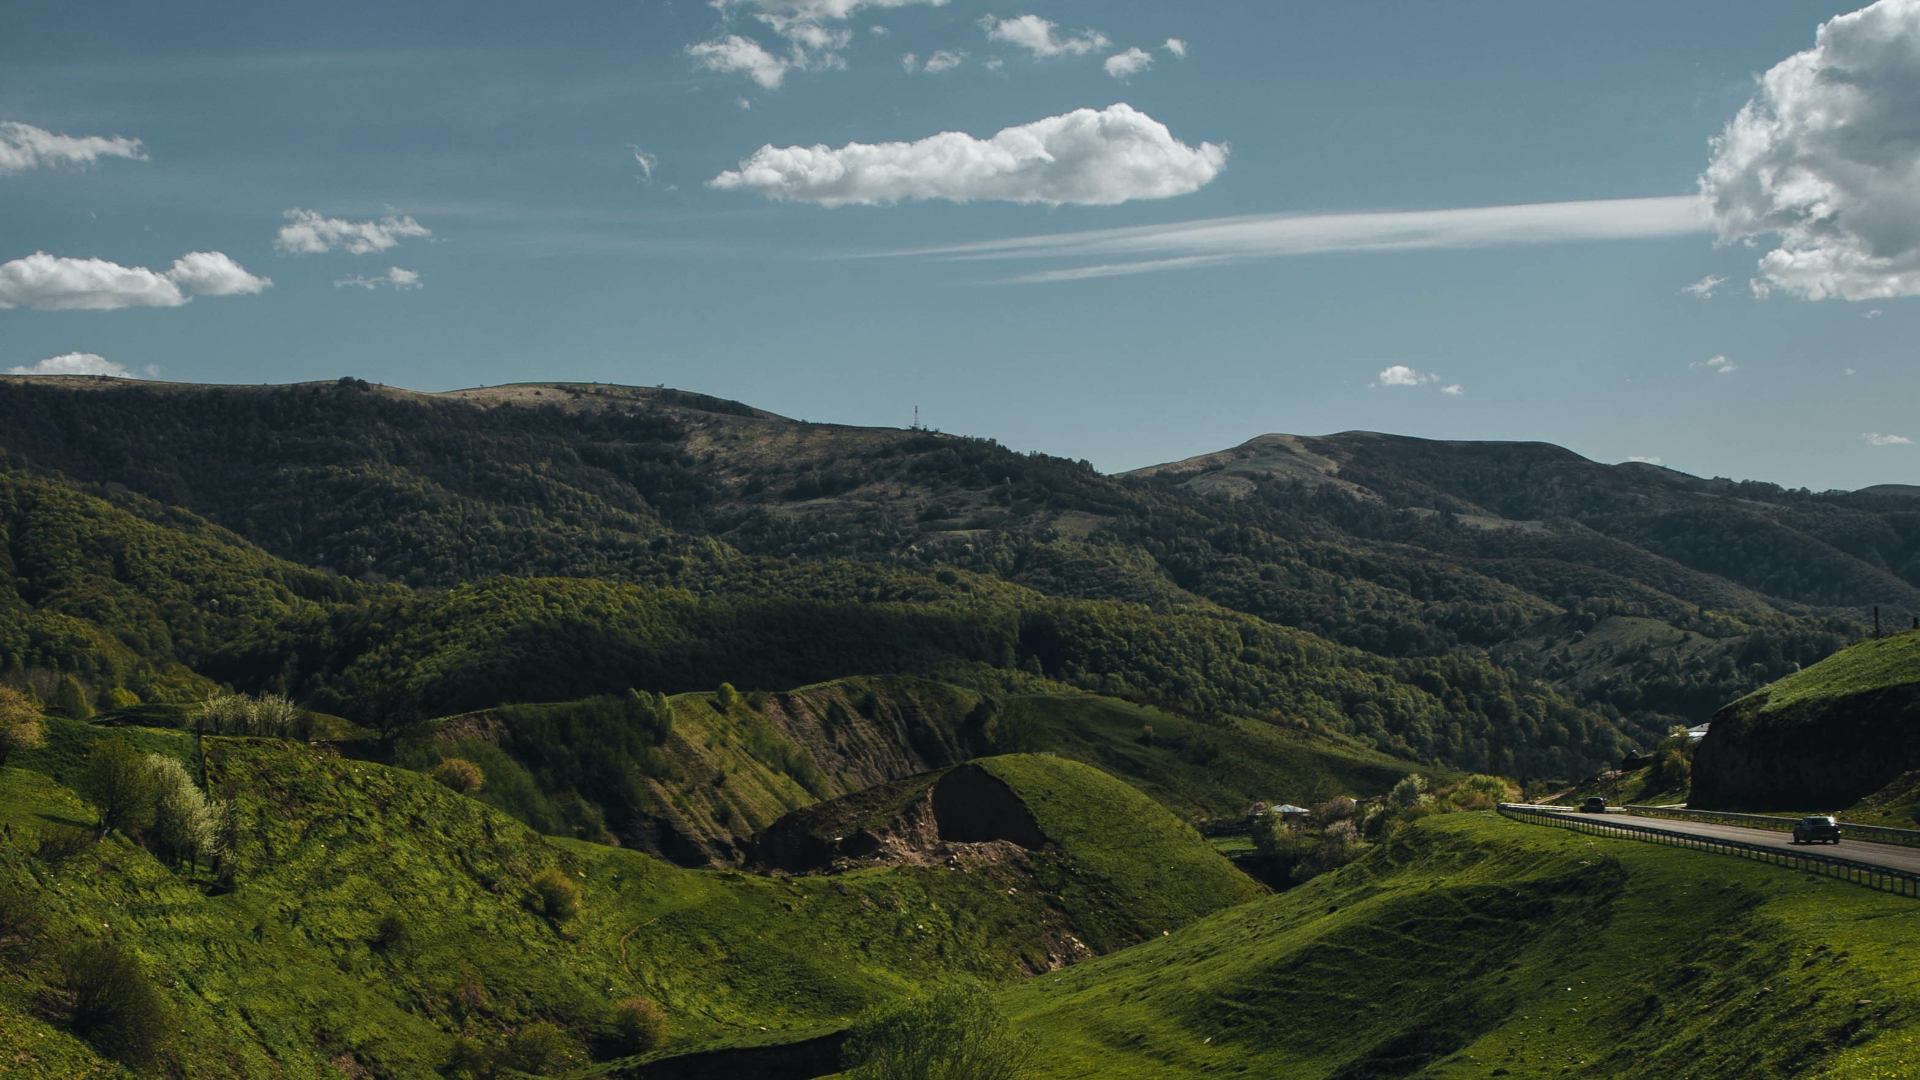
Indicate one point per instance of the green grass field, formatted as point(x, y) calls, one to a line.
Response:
point(1471, 946)
point(1868, 665)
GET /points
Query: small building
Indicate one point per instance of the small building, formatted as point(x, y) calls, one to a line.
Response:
point(1293, 814)
point(1698, 731)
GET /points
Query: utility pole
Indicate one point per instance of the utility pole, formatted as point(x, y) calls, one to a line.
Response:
point(1876, 620)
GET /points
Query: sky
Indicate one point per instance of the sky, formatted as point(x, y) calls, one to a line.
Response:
point(1126, 232)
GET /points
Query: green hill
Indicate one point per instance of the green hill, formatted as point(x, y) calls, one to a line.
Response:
point(379, 918)
point(1471, 946)
point(1822, 738)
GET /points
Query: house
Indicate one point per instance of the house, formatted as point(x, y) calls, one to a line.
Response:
point(1294, 815)
point(1698, 732)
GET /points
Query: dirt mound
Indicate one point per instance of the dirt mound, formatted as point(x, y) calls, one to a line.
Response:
point(963, 816)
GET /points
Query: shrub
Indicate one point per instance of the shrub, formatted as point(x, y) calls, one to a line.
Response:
point(558, 896)
point(60, 843)
point(471, 994)
point(543, 1049)
point(955, 1033)
point(391, 931)
point(183, 822)
point(726, 698)
point(114, 1005)
point(116, 698)
point(20, 727)
point(460, 775)
point(71, 699)
point(118, 782)
point(1339, 808)
point(640, 1024)
point(1410, 791)
point(20, 914)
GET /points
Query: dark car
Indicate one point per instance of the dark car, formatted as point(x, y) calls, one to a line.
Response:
point(1816, 829)
point(1594, 805)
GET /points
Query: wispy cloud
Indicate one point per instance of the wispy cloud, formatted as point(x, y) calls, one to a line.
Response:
point(1037, 36)
point(1719, 365)
point(1874, 438)
point(1187, 245)
point(395, 278)
point(23, 147)
point(1705, 287)
point(307, 232)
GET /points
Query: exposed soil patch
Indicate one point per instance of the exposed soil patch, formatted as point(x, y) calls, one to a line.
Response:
point(963, 816)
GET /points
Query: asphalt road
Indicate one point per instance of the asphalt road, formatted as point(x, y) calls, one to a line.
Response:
point(1890, 856)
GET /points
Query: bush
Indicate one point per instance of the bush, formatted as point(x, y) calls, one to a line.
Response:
point(71, 699)
point(1339, 808)
point(558, 896)
point(460, 775)
point(1409, 792)
point(543, 1049)
point(62, 842)
point(956, 1033)
point(20, 914)
point(117, 698)
point(118, 782)
point(727, 697)
point(391, 931)
point(113, 1004)
point(20, 727)
point(640, 1024)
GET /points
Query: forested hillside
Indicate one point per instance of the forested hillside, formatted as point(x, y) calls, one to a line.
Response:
point(1505, 606)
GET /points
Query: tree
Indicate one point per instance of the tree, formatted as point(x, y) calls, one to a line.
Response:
point(20, 726)
point(71, 699)
point(727, 697)
point(955, 1033)
point(119, 784)
point(183, 822)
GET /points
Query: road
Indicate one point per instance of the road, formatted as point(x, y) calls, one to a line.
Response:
point(1888, 856)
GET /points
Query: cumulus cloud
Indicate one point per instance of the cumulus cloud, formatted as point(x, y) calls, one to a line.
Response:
point(1826, 158)
point(1037, 36)
point(814, 40)
point(1874, 438)
point(82, 363)
point(1085, 157)
point(1719, 365)
point(733, 53)
point(54, 283)
point(1644, 460)
point(945, 60)
point(821, 10)
point(1402, 375)
point(1705, 286)
point(395, 278)
point(23, 147)
point(1177, 47)
point(1455, 389)
point(307, 232)
point(1126, 65)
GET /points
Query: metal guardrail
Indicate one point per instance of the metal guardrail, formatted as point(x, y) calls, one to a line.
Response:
point(1878, 834)
point(1903, 882)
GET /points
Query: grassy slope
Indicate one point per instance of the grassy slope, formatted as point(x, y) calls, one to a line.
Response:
point(1474, 944)
point(284, 974)
point(1873, 664)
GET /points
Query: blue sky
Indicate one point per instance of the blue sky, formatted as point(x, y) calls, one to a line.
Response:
point(485, 160)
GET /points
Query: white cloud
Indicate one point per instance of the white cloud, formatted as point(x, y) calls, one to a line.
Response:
point(55, 283)
point(1454, 389)
point(395, 278)
point(23, 147)
point(878, 31)
point(1644, 460)
point(1826, 157)
point(82, 363)
point(1705, 286)
point(1126, 65)
point(734, 53)
point(210, 273)
point(1085, 157)
point(646, 161)
point(822, 9)
point(1719, 365)
point(309, 233)
point(1212, 242)
point(945, 60)
point(1850, 371)
point(744, 104)
point(1874, 314)
point(1177, 47)
point(1036, 35)
point(1402, 375)
point(1874, 438)
point(909, 61)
